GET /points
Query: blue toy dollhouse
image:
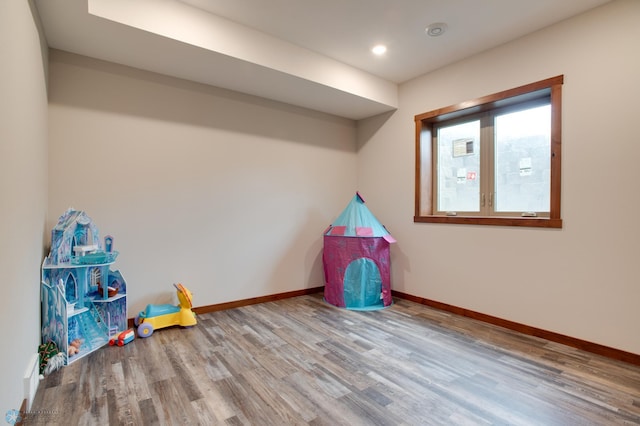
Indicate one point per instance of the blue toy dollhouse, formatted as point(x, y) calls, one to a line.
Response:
point(83, 302)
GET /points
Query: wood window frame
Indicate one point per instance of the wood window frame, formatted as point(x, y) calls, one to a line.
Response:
point(425, 164)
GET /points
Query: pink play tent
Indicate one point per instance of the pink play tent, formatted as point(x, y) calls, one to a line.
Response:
point(356, 260)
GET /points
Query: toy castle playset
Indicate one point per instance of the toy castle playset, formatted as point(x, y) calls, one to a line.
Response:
point(83, 301)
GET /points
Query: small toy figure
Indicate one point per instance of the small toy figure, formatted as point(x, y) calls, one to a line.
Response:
point(55, 362)
point(51, 358)
point(74, 347)
point(122, 338)
point(161, 316)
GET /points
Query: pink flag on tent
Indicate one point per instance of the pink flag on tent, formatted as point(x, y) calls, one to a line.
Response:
point(388, 238)
point(364, 231)
point(338, 230)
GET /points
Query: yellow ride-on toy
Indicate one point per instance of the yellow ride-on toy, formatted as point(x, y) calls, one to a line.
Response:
point(161, 316)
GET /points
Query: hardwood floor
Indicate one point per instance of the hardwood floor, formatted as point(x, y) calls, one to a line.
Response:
point(300, 361)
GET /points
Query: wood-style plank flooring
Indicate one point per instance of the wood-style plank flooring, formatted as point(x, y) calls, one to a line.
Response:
point(300, 361)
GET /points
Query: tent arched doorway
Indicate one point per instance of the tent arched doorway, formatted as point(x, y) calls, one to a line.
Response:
point(362, 285)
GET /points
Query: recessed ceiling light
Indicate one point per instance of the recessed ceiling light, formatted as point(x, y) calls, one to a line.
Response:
point(379, 49)
point(437, 29)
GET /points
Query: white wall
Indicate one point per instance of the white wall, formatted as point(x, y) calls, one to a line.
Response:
point(226, 193)
point(583, 280)
point(23, 193)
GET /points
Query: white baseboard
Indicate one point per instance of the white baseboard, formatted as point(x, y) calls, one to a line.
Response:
point(31, 379)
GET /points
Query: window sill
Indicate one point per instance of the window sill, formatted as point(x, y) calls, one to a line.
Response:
point(531, 222)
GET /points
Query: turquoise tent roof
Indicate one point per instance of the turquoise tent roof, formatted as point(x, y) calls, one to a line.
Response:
point(356, 220)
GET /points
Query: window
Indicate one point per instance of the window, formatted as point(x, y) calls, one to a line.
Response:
point(493, 160)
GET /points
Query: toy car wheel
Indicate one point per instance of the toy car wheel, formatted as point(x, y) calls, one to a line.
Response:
point(145, 329)
point(136, 320)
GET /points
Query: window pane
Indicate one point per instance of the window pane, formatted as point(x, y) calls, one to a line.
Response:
point(523, 160)
point(459, 167)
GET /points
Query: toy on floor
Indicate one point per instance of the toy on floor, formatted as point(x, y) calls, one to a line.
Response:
point(122, 338)
point(55, 362)
point(161, 316)
point(74, 347)
point(51, 358)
